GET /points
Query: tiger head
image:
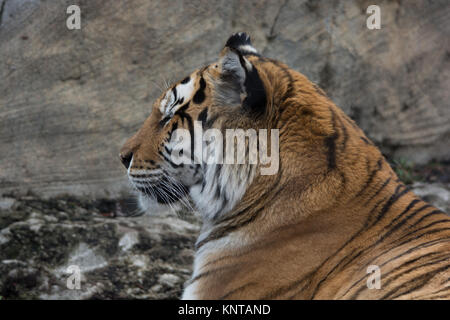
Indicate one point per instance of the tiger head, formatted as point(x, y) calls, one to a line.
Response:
point(243, 91)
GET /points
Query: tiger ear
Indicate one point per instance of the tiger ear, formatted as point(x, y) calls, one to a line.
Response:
point(242, 43)
point(233, 67)
point(240, 79)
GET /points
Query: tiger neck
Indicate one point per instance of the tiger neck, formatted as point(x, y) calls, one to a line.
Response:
point(286, 202)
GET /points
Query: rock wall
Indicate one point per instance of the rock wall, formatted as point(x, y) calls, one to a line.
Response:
point(70, 98)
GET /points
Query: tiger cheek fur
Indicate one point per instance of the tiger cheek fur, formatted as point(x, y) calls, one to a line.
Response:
point(333, 208)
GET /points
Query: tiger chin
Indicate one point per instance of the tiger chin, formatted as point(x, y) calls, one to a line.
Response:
point(333, 210)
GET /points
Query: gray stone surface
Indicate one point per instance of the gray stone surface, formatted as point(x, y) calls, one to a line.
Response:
point(69, 99)
point(436, 193)
point(146, 257)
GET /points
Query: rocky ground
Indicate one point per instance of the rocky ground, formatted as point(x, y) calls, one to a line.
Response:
point(119, 257)
point(146, 257)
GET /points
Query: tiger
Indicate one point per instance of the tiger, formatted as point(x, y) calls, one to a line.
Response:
point(332, 222)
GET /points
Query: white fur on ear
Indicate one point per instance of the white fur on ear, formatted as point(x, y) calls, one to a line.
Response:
point(247, 49)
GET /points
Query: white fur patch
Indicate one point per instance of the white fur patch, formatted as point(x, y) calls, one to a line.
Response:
point(171, 103)
point(232, 241)
point(247, 48)
point(232, 181)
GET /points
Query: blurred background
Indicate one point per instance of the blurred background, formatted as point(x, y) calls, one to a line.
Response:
point(70, 98)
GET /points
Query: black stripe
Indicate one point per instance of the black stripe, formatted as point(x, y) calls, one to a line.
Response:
point(385, 183)
point(424, 277)
point(433, 294)
point(241, 288)
point(427, 226)
point(352, 123)
point(371, 177)
point(199, 96)
point(186, 80)
point(236, 224)
point(343, 130)
point(345, 134)
point(330, 143)
point(421, 246)
point(409, 207)
point(401, 223)
point(331, 147)
point(183, 115)
point(211, 272)
point(353, 237)
point(366, 249)
point(319, 90)
point(203, 116)
point(299, 285)
point(397, 195)
point(164, 120)
point(432, 213)
point(256, 99)
point(393, 199)
point(382, 238)
point(172, 130)
point(366, 141)
point(170, 161)
point(167, 150)
point(398, 271)
point(174, 91)
point(401, 273)
point(422, 235)
point(290, 89)
point(390, 231)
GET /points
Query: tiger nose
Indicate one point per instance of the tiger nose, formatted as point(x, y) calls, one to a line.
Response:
point(126, 158)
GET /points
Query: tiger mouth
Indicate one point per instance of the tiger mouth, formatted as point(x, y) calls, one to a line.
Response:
point(163, 191)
